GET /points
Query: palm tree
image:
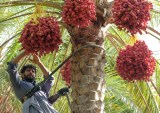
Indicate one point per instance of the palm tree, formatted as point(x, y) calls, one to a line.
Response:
point(96, 85)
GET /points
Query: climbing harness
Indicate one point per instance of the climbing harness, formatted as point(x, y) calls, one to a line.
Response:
point(37, 87)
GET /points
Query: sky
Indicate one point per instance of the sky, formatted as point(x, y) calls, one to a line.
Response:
point(153, 45)
point(152, 42)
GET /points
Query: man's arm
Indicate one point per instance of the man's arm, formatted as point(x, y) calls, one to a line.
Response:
point(12, 69)
point(53, 98)
point(19, 57)
point(61, 92)
point(37, 61)
point(49, 83)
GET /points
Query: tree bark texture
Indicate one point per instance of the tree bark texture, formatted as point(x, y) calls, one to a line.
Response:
point(87, 72)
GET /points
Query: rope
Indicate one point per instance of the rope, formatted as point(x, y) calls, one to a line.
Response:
point(37, 87)
point(69, 103)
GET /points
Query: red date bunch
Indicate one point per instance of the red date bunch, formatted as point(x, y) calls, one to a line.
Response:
point(41, 36)
point(136, 62)
point(79, 13)
point(66, 73)
point(131, 15)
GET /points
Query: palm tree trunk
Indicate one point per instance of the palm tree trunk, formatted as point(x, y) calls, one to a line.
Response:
point(88, 71)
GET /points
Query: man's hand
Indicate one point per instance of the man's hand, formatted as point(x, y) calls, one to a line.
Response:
point(63, 91)
point(35, 59)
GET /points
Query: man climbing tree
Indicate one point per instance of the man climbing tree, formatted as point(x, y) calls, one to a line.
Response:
point(39, 102)
point(84, 22)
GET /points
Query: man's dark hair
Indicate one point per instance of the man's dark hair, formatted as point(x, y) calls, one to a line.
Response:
point(30, 66)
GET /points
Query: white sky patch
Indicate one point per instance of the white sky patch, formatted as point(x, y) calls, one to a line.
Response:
point(152, 42)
